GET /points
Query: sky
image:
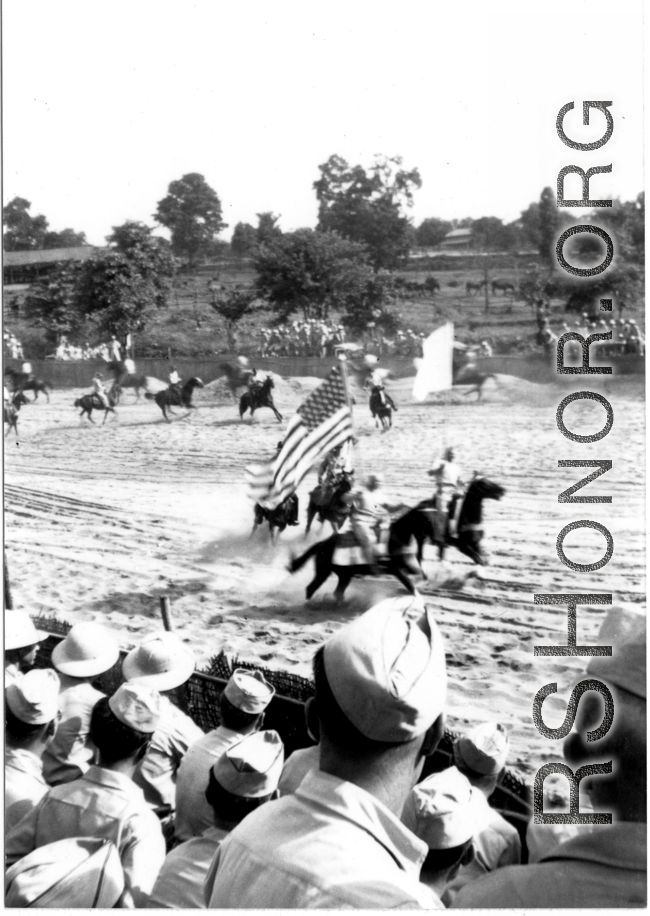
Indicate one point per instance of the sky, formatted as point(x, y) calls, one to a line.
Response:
point(106, 103)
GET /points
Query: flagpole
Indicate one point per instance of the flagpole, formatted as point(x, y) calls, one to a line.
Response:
point(344, 375)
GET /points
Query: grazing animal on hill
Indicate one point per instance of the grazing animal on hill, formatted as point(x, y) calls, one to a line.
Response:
point(284, 514)
point(333, 554)
point(22, 381)
point(172, 397)
point(90, 402)
point(473, 288)
point(381, 408)
point(503, 286)
point(259, 397)
point(470, 520)
point(11, 411)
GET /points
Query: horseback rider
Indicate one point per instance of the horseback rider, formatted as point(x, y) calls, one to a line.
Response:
point(26, 369)
point(254, 381)
point(368, 515)
point(174, 380)
point(115, 349)
point(100, 390)
point(449, 486)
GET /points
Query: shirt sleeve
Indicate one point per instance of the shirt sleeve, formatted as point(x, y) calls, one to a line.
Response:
point(21, 839)
point(142, 858)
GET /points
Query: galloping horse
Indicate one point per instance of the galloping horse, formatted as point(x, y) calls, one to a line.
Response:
point(259, 397)
point(414, 524)
point(173, 397)
point(11, 411)
point(473, 288)
point(90, 402)
point(284, 514)
point(381, 408)
point(327, 503)
point(21, 381)
point(126, 379)
point(470, 375)
point(236, 377)
point(470, 520)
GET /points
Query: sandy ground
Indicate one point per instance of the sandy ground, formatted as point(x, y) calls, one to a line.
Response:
point(100, 521)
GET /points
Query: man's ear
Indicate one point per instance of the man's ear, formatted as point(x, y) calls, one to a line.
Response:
point(259, 725)
point(51, 728)
point(433, 736)
point(311, 720)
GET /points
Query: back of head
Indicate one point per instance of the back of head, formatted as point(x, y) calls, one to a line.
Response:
point(246, 776)
point(121, 726)
point(381, 680)
point(481, 754)
point(244, 699)
point(31, 704)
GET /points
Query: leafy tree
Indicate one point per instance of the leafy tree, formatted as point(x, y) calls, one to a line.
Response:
point(267, 228)
point(67, 238)
point(22, 231)
point(54, 303)
point(432, 231)
point(192, 212)
point(123, 286)
point(312, 272)
point(232, 305)
point(367, 206)
point(244, 240)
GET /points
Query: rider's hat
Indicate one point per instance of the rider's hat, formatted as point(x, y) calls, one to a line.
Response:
point(87, 650)
point(387, 670)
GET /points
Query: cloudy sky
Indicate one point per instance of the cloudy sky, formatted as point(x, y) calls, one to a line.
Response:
point(106, 103)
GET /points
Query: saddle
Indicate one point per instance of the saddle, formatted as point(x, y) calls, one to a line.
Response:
point(348, 550)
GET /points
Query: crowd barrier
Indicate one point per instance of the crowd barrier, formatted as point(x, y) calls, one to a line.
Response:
point(199, 698)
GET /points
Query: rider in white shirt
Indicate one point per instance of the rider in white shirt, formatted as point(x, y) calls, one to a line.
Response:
point(449, 483)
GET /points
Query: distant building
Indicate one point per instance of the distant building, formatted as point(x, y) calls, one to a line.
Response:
point(457, 240)
point(27, 266)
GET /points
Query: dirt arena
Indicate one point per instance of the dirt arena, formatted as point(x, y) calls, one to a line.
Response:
point(100, 521)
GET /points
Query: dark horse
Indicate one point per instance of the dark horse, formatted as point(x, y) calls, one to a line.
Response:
point(327, 503)
point(284, 514)
point(21, 381)
point(470, 375)
point(126, 379)
point(416, 523)
point(470, 520)
point(473, 288)
point(90, 402)
point(259, 397)
point(11, 411)
point(381, 408)
point(172, 397)
point(236, 377)
point(504, 286)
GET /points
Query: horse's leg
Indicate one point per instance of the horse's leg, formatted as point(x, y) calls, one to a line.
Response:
point(470, 550)
point(311, 512)
point(345, 577)
point(323, 571)
point(394, 569)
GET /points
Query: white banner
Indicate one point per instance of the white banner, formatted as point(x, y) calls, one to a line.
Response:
point(434, 370)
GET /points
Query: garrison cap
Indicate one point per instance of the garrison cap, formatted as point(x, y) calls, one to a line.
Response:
point(483, 749)
point(387, 670)
point(443, 810)
point(252, 768)
point(624, 629)
point(136, 705)
point(249, 691)
point(34, 697)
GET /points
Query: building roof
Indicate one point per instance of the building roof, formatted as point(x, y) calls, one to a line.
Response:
point(458, 234)
point(46, 256)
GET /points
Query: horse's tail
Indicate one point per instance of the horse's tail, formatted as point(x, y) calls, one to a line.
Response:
point(149, 396)
point(298, 562)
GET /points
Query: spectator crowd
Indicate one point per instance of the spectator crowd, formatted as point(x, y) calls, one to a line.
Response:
point(122, 800)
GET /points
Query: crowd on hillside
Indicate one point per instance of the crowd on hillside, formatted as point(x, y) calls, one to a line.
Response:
point(320, 338)
point(107, 350)
point(627, 338)
point(122, 800)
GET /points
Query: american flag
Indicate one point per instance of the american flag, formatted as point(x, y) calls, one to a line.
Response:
point(322, 423)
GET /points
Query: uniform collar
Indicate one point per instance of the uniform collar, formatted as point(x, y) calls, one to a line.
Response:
point(111, 779)
point(620, 845)
point(349, 802)
point(28, 761)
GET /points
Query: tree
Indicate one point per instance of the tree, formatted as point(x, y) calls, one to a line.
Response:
point(267, 228)
point(244, 240)
point(67, 238)
point(192, 213)
point(22, 231)
point(122, 287)
point(232, 305)
point(432, 231)
point(312, 272)
point(366, 206)
point(54, 303)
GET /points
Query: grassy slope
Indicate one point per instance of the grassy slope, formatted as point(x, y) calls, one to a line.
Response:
point(189, 326)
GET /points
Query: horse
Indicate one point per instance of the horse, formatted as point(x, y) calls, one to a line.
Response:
point(381, 408)
point(90, 402)
point(327, 503)
point(236, 377)
point(22, 381)
point(473, 288)
point(258, 397)
point(502, 285)
point(126, 379)
point(173, 397)
point(11, 411)
point(284, 514)
point(470, 375)
point(470, 521)
point(415, 523)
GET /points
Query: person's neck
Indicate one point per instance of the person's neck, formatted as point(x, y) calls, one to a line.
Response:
point(388, 784)
point(67, 680)
point(35, 747)
point(125, 767)
point(627, 802)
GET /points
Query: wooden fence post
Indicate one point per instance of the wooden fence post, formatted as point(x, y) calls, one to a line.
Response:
point(166, 614)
